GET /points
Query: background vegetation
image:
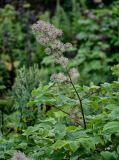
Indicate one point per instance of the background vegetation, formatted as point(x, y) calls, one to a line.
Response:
point(32, 109)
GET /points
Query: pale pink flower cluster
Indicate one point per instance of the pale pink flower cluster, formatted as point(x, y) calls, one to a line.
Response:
point(63, 61)
point(58, 45)
point(42, 40)
point(42, 27)
point(48, 36)
point(19, 156)
point(74, 73)
point(60, 77)
point(75, 115)
point(48, 51)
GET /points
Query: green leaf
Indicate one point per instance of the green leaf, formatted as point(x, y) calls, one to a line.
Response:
point(111, 107)
point(118, 149)
point(114, 115)
point(22, 145)
point(59, 144)
point(109, 155)
point(66, 144)
point(110, 128)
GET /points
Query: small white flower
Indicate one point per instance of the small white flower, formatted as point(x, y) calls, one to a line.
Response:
point(48, 51)
point(68, 46)
point(74, 73)
point(60, 77)
point(63, 61)
point(19, 156)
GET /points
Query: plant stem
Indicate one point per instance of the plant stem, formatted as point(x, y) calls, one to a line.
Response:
point(2, 121)
point(80, 100)
point(64, 112)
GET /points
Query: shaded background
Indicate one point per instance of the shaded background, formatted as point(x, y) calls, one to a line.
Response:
point(91, 25)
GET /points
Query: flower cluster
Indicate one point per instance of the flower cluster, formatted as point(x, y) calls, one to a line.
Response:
point(60, 77)
point(74, 73)
point(48, 36)
point(19, 156)
point(44, 28)
point(75, 115)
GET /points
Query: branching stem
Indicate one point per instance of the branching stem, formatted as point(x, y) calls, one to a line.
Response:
point(64, 112)
point(79, 98)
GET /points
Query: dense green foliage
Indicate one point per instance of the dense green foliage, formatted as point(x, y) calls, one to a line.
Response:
point(57, 135)
point(17, 44)
point(43, 119)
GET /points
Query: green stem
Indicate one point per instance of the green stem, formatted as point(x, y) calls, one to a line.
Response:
point(80, 100)
point(2, 121)
point(65, 113)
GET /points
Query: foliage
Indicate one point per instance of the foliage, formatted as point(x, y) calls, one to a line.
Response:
point(17, 44)
point(94, 34)
point(56, 135)
point(16, 100)
point(95, 42)
point(43, 120)
point(98, 43)
point(26, 80)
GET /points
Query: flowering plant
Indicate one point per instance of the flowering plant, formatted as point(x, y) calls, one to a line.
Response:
point(48, 36)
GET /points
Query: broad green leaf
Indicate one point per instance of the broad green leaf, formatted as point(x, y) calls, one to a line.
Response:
point(114, 115)
point(110, 128)
point(111, 107)
point(109, 155)
point(66, 144)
